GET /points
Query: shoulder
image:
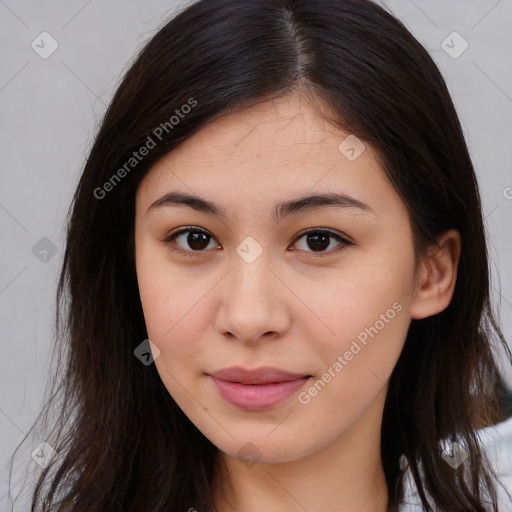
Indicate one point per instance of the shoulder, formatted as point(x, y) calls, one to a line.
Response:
point(497, 443)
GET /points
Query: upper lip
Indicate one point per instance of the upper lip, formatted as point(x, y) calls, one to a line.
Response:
point(264, 375)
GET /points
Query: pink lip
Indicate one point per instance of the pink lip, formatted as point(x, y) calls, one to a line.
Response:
point(256, 389)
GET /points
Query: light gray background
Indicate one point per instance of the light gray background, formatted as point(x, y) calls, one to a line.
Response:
point(50, 109)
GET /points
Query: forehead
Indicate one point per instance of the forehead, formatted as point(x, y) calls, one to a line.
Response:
point(267, 153)
point(287, 128)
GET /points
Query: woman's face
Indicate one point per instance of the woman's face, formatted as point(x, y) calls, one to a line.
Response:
point(255, 291)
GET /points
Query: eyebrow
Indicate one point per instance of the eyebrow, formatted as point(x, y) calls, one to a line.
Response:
point(299, 205)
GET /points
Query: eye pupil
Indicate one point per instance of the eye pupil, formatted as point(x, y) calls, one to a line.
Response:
point(195, 238)
point(319, 240)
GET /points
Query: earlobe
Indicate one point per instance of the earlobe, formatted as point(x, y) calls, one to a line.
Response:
point(437, 276)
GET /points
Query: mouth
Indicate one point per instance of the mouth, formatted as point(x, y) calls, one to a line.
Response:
point(256, 389)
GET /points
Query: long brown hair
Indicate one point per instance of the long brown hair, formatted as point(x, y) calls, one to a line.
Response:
point(122, 441)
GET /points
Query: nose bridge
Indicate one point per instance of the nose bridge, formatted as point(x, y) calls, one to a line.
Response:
point(252, 304)
point(252, 280)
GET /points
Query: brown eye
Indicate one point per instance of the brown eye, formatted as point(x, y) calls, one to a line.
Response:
point(197, 241)
point(318, 240)
point(191, 240)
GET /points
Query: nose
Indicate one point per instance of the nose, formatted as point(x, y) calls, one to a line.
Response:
point(253, 304)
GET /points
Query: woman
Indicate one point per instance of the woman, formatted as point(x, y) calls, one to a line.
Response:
point(277, 277)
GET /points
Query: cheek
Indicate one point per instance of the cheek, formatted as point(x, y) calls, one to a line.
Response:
point(175, 312)
point(358, 293)
point(364, 318)
point(175, 305)
point(368, 319)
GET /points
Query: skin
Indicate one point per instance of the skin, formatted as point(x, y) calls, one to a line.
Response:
point(297, 310)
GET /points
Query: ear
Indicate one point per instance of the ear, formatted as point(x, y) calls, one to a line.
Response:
point(437, 276)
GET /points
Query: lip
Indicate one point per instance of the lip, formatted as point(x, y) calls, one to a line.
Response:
point(256, 389)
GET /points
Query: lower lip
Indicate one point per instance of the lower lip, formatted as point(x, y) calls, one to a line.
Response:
point(258, 396)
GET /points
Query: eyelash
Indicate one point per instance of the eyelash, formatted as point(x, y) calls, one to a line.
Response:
point(194, 229)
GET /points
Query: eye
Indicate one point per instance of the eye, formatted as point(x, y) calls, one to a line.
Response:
point(319, 239)
point(198, 240)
